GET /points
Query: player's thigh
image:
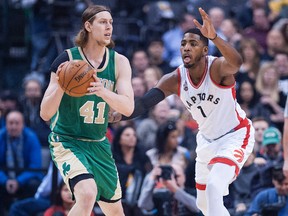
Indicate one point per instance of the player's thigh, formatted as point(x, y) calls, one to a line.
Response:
point(112, 208)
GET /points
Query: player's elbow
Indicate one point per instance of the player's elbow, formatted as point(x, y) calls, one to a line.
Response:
point(44, 115)
point(238, 62)
point(129, 110)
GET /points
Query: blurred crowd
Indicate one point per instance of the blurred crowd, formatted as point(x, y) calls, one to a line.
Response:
point(34, 32)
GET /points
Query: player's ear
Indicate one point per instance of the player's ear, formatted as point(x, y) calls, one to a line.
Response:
point(205, 50)
point(87, 26)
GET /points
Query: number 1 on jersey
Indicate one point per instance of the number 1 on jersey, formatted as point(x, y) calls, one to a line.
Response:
point(202, 112)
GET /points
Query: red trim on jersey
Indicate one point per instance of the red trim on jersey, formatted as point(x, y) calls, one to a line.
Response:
point(233, 92)
point(225, 161)
point(179, 81)
point(200, 186)
point(244, 123)
point(202, 78)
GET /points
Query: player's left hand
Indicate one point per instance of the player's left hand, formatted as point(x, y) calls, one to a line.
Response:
point(96, 87)
point(207, 29)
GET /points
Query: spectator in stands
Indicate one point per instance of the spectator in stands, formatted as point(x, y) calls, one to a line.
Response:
point(260, 28)
point(247, 97)
point(186, 135)
point(167, 149)
point(8, 101)
point(30, 100)
point(217, 16)
point(272, 151)
point(278, 8)
point(272, 101)
point(40, 27)
point(275, 42)
point(281, 65)
point(20, 151)
point(260, 124)
point(230, 29)
point(151, 76)
point(132, 166)
point(64, 202)
point(244, 14)
point(147, 128)
point(138, 86)
point(41, 200)
point(139, 62)
point(251, 55)
point(155, 51)
point(272, 201)
point(164, 193)
point(172, 39)
point(241, 187)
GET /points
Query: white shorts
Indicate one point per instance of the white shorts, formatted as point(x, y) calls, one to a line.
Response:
point(233, 149)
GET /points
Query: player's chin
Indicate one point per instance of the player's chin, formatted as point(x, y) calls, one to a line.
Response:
point(188, 65)
point(107, 41)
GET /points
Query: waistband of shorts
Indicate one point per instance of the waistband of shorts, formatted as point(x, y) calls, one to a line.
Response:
point(80, 139)
point(243, 123)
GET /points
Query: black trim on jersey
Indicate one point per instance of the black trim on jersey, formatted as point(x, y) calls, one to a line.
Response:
point(76, 179)
point(102, 62)
point(60, 59)
point(107, 200)
point(150, 99)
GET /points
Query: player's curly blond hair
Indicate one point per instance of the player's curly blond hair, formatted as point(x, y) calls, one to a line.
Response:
point(89, 15)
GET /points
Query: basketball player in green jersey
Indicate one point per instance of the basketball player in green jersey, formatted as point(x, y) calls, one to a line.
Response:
point(78, 143)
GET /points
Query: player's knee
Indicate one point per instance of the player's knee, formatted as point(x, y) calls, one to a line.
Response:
point(85, 192)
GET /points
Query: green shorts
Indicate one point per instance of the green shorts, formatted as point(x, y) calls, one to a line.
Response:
point(75, 157)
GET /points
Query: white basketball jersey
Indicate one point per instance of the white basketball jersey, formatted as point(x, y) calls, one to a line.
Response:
point(214, 107)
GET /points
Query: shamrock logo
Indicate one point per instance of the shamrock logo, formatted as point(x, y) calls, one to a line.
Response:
point(66, 168)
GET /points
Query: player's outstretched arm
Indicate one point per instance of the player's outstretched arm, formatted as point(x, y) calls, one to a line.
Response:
point(166, 86)
point(231, 60)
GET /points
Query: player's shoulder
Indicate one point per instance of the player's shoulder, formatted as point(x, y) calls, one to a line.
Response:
point(120, 57)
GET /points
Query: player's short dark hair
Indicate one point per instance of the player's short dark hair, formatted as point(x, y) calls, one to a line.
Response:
point(198, 32)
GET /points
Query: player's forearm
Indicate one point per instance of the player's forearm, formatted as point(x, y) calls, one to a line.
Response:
point(150, 99)
point(228, 51)
point(123, 104)
point(50, 103)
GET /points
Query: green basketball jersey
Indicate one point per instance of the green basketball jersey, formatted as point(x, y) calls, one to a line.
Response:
point(86, 117)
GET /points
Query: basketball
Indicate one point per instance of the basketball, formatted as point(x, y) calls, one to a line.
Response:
point(75, 77)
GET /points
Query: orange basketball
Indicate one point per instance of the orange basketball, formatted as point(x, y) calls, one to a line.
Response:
point(75, 77)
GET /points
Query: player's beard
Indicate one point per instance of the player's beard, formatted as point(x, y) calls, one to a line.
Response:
point(189, 65)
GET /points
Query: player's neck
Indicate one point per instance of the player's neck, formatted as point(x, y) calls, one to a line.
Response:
point(94, 56)
point(196, 72)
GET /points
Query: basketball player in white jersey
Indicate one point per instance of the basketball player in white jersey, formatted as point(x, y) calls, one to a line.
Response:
point(206, 86)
